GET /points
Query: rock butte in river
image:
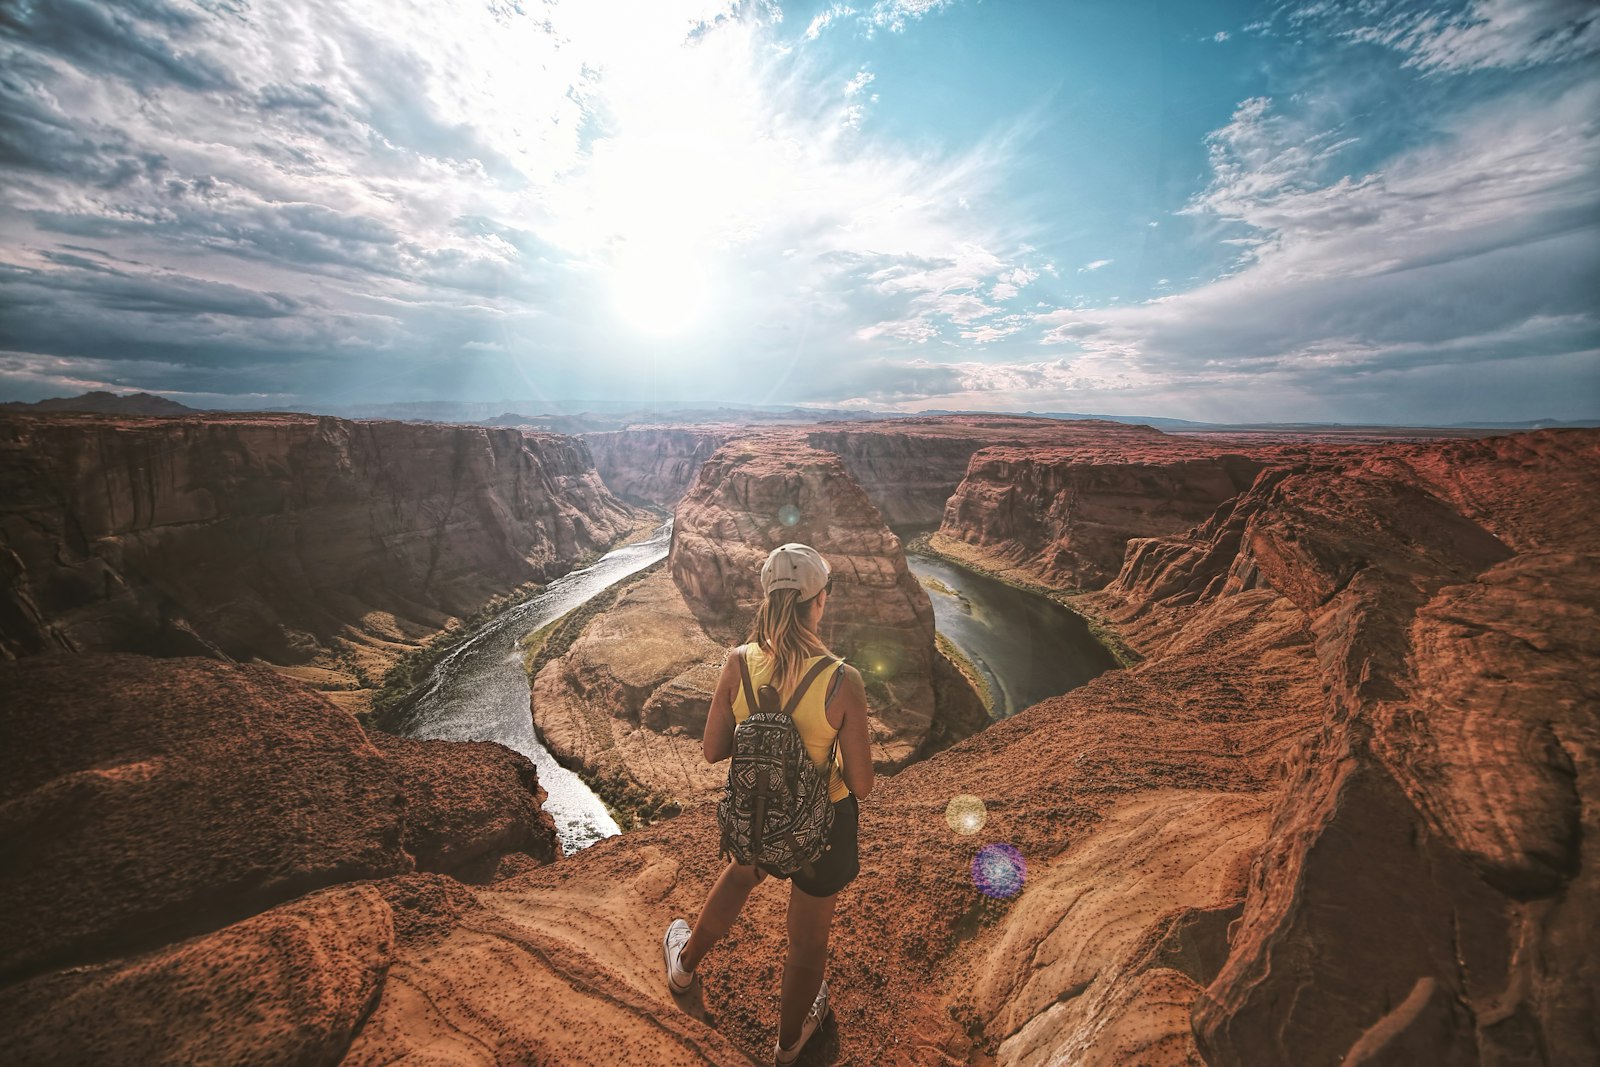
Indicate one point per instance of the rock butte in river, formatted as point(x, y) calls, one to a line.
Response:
point(629, 699)
point(757, 493)
point(317, 544)
point(1342, 811)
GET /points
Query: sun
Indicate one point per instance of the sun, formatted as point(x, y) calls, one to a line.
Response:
point(660, 290)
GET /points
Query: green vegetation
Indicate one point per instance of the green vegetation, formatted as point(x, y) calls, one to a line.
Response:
point(397, 693)
point(629, 802)
point(554, 639)
point(980, 684)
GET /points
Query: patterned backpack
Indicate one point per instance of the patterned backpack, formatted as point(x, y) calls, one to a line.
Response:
point(776, 810)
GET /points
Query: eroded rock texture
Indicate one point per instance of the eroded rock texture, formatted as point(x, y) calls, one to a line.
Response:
point(1061, 516)
point(290, 538)
point(1423, 878)
point(629, 699)
point(146, 800)
point(653, 466)
point(1338, 813)
point(756, 494)
point(911, 467)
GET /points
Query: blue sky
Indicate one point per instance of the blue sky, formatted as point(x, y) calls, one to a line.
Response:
point(1358, 212)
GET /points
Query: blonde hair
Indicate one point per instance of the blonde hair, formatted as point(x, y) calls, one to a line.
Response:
point(780, 630)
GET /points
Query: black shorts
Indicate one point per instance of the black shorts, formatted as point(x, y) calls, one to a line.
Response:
point(841, 859)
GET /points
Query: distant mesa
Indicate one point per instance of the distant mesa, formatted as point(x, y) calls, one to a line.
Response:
point(104, 403)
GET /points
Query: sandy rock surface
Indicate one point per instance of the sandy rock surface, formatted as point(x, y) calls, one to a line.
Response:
point(1423, 874)
point(630, 697)
point(289, 986)
point(147, 800)
point(1340, 811)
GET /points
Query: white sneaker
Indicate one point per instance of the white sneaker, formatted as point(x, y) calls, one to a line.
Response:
point(813, 1020)
point(672, 942)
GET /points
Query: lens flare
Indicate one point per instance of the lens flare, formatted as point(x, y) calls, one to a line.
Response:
point(788, 514)
point(966, 814)
point(999, 871)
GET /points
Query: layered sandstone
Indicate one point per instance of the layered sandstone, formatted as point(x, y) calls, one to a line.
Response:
point(758, 493)
point(143, 801)
point(653, 465)
point(628, 700)
point(293, 539)
point(911, 467)
point(1423, 885)
point(1061, 516)
point(1341, 812)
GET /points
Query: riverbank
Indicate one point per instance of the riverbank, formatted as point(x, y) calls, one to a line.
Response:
point(630, 803)
point(389, 703)
point(960, 554)
point(969, 670)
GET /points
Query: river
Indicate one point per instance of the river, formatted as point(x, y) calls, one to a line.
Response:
point(479, 691)
point(1027, 647)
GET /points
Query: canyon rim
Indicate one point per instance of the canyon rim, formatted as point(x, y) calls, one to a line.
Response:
point(1336, 810)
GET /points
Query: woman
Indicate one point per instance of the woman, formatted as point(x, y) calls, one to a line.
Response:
point(795, 582)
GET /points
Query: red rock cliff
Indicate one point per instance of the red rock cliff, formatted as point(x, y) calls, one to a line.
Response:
point(149, 800)
point(1341, 812)
point(276, 536)
point(1062, 516)
point(911, 467)
point(653, 466)
point(1424, 884)
point(758, 493)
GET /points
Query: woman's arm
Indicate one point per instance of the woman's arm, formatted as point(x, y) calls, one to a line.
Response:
point(717, 741)
point(854, 743)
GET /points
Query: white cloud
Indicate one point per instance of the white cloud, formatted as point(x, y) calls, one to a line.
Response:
point(471, 184)
point(896, 15)
point(1357, 277)
point(1489, 34)
point(823, 19)
point(1095, 265)
point(1220, 36)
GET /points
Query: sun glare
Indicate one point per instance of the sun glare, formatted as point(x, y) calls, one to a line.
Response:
point(660, 291)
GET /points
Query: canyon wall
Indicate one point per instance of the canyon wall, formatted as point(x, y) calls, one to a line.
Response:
point(189, 849)
point(910, 467)
point(1423, 886)
point(627, 700)
point(1341, 811)
point(289, 538)
point(760, 492)
point(1061, 516)
point(653, 466)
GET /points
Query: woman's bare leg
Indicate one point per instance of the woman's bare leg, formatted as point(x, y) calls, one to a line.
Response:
point(721, 908)
point(810, 922)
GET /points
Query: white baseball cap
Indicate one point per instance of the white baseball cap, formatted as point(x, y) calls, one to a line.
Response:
point(795, 566)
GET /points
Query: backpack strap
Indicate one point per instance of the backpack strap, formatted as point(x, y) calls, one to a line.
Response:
point(805, 683)
point(744, 676)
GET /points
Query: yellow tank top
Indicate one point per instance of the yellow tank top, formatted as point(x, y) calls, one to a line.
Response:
point(810, 718)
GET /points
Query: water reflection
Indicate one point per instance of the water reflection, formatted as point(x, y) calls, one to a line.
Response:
point(479, 691)
point(1025, 646)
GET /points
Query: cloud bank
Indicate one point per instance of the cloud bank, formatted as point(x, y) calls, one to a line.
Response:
point(291, 203)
